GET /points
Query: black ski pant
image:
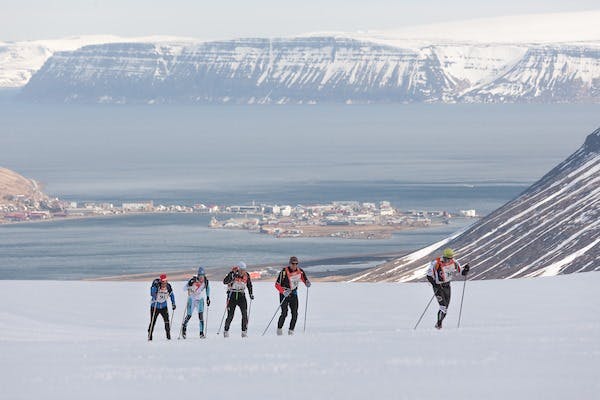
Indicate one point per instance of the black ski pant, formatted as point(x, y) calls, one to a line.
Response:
point(237, 299)
point(442, 294)
point(154, 312)
point(292, 302)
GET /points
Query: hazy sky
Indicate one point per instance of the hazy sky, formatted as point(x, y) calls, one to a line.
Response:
point(221, 19)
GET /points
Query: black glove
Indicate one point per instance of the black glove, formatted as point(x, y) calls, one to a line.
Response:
point(465, 270)
point(308, 283)
point(174, 307)
point(436, 289)
point(251, 296)
point(208, 301)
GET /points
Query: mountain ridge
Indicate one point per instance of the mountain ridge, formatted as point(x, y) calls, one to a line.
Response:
point(317, 69)
point(552, 228)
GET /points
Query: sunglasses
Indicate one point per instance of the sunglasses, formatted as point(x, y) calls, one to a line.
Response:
point(294, 263)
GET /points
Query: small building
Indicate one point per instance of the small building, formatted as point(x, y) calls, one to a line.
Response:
point(138, 207)
point(468, 213)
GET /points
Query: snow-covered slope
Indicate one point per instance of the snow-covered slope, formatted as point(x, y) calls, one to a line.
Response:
point(87, 340)
point(580, 26)
point(552, 228)
point(546, 74)
point(20, 60)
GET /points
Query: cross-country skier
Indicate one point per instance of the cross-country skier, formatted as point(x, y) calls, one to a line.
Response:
point(439, 275)
point(197, 288)
point(287, 285)
point(160, 291)
point(237, 281)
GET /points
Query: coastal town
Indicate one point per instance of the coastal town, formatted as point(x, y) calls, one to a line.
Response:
point(22, 200)
point(341, 219)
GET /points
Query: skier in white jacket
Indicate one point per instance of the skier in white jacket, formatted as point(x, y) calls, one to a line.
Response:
point(197, 288)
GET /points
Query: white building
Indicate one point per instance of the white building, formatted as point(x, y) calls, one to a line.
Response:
point(137, 207)
point(286, 211)
point(468, 213)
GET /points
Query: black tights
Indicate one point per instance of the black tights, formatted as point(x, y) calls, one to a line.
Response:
point(292, 302)
point(237, 299)
point(154, 315)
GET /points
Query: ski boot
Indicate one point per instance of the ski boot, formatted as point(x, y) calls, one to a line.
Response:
point(290, 332)
point(279, 331)
point(225, 334)
point(441, 316)
point(202, 335)
point(183, 331)
point(244, 334)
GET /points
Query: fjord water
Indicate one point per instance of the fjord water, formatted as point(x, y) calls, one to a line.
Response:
point(447, 157)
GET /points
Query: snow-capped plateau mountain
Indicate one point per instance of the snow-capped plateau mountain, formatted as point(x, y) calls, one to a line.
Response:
point(531, 58)
point(318, 69)
point(20, 60)
point(552, 228)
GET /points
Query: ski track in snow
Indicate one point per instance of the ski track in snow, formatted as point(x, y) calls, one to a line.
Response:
point(519, 339)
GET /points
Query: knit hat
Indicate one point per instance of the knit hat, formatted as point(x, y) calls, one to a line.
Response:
point(163, 277)
point(242, 265)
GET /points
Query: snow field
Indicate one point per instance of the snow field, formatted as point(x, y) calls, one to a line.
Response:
point(527, 338)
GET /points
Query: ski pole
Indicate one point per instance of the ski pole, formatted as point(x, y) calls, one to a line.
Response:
point(424, 311)
point(305, 310)
point(224, 311)
point(172, 316)
point(182, 319)
point(206, 321)
point(249, 310)
point(277, 309)
point(152, 321)
point(461, 301)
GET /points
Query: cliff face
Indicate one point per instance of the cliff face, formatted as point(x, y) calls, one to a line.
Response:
point(552, 228)
point(318, 69)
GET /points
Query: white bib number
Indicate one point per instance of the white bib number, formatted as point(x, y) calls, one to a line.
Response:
point(295, 281)
point(161, 297)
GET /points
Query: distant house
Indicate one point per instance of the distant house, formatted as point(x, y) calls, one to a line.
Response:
point(468, 213)
point(138, 207)
point(16, 217)
point(39, 215)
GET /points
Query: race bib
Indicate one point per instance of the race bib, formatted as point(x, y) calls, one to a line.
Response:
point(161, 297)
point(295, 280)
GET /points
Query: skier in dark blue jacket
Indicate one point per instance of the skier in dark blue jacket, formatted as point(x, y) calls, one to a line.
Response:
point(160, 291)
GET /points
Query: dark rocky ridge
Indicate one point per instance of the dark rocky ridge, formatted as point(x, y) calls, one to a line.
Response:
point(551, 228)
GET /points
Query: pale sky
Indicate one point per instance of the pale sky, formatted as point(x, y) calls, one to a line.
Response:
point(226, 19)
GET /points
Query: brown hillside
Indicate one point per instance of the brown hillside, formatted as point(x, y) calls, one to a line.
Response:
point(13, 184)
